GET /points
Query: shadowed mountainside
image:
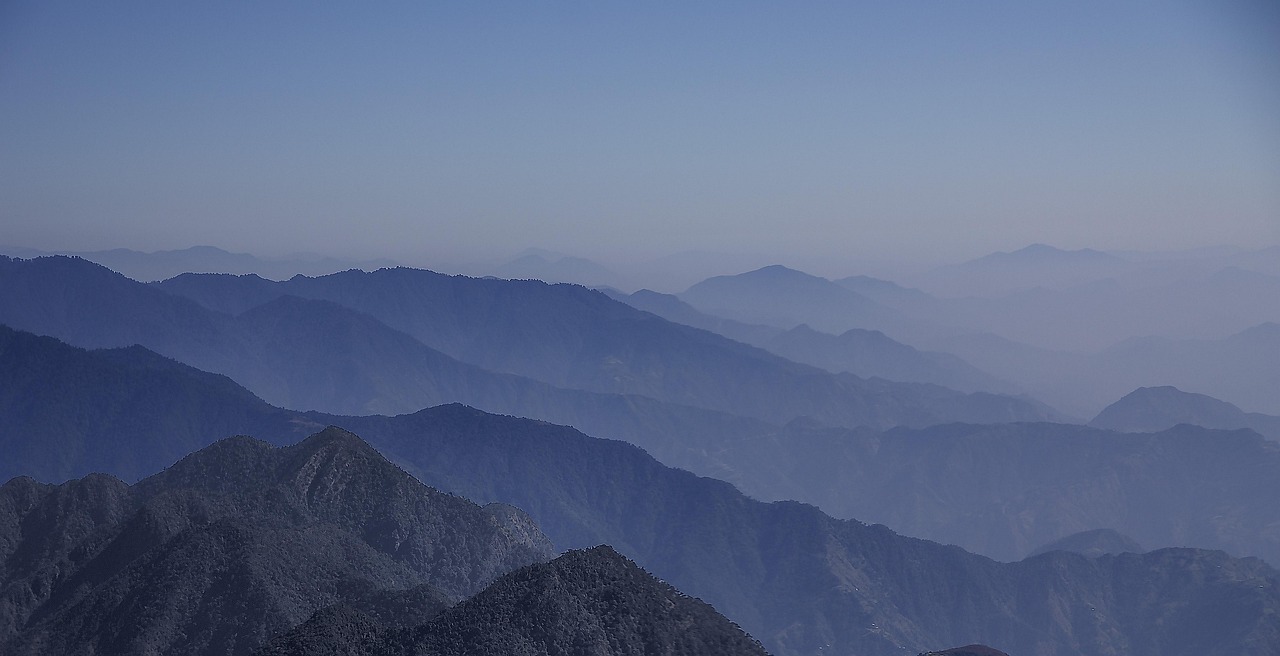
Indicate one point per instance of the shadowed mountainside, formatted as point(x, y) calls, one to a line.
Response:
point(799, 579)
point(234, 544)
point(585, 602)
point(865, 353)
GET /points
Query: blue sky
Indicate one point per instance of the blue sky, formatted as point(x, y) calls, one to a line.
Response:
point(453, 131)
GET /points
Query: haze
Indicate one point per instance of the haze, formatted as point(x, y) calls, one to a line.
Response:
point(822, 132)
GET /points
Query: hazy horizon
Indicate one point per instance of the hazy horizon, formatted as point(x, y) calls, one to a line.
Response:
point(918, 133)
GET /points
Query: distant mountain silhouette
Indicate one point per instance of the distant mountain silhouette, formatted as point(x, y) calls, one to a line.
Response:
point(1094, 543)
point(571, 337)
point(1151, 409)
point(1037, 265)
point(872, 353)
point(1003, 490)
point(884, 291)
point(584, 602)
point(234, 544)
point(537, 264)
point(782, 297)
point(860, 352)
point(160, 265)
point(1239, 368)
point(787, 573)
point(671, 308)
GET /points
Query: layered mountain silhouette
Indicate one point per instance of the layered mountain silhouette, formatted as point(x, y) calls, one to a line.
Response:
point(865, 353)
point(549, 266)
point(1074, 329)
point(1150, 409)
point(1003, 490)
point(235, 544)
point(790, 575)
point(778, 296)
point(160, 265)
point(1000, 490)
point(65, 410)
point(561, 335)
point(592, 601)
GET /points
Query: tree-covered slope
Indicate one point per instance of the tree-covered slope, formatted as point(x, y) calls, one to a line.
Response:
point(235, 544)
point(593, 601)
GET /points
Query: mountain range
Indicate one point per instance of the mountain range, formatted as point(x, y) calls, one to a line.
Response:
point(1152, 409)
point(865, 353)
point(798, 579)
point(593, 601)
point(159, 265)
point(402, 323)
point(1076, 347)
point(235, 544)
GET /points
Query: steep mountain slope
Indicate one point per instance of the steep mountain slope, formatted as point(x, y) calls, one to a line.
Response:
point(65, 410)
point(799, 579)
point(305, 354)
point(576, 338)
point(234, 544)
point(1150, 409)
point(584, 602)
point(997, 490)
point(1003, 490)
point(863, 353)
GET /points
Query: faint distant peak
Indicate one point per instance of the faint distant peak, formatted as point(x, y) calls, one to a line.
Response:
point(1268, 331)
point(777, 272)
point(552, 267)
point(1093, 543)
point(1151, 409)
point(1047, 253)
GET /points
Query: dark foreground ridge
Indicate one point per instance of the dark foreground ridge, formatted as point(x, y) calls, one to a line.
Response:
point(235, 544)
point(593, 601)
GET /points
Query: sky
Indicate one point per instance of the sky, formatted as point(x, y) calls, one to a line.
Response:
point(433, 131)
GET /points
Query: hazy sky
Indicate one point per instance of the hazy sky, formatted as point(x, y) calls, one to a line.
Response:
point(427, 130)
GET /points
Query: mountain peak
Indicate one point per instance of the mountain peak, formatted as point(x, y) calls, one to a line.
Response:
point(1044, 252)
point(589, 601)
point(780, 272)
point(1093, 544)
point(1151, 409)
